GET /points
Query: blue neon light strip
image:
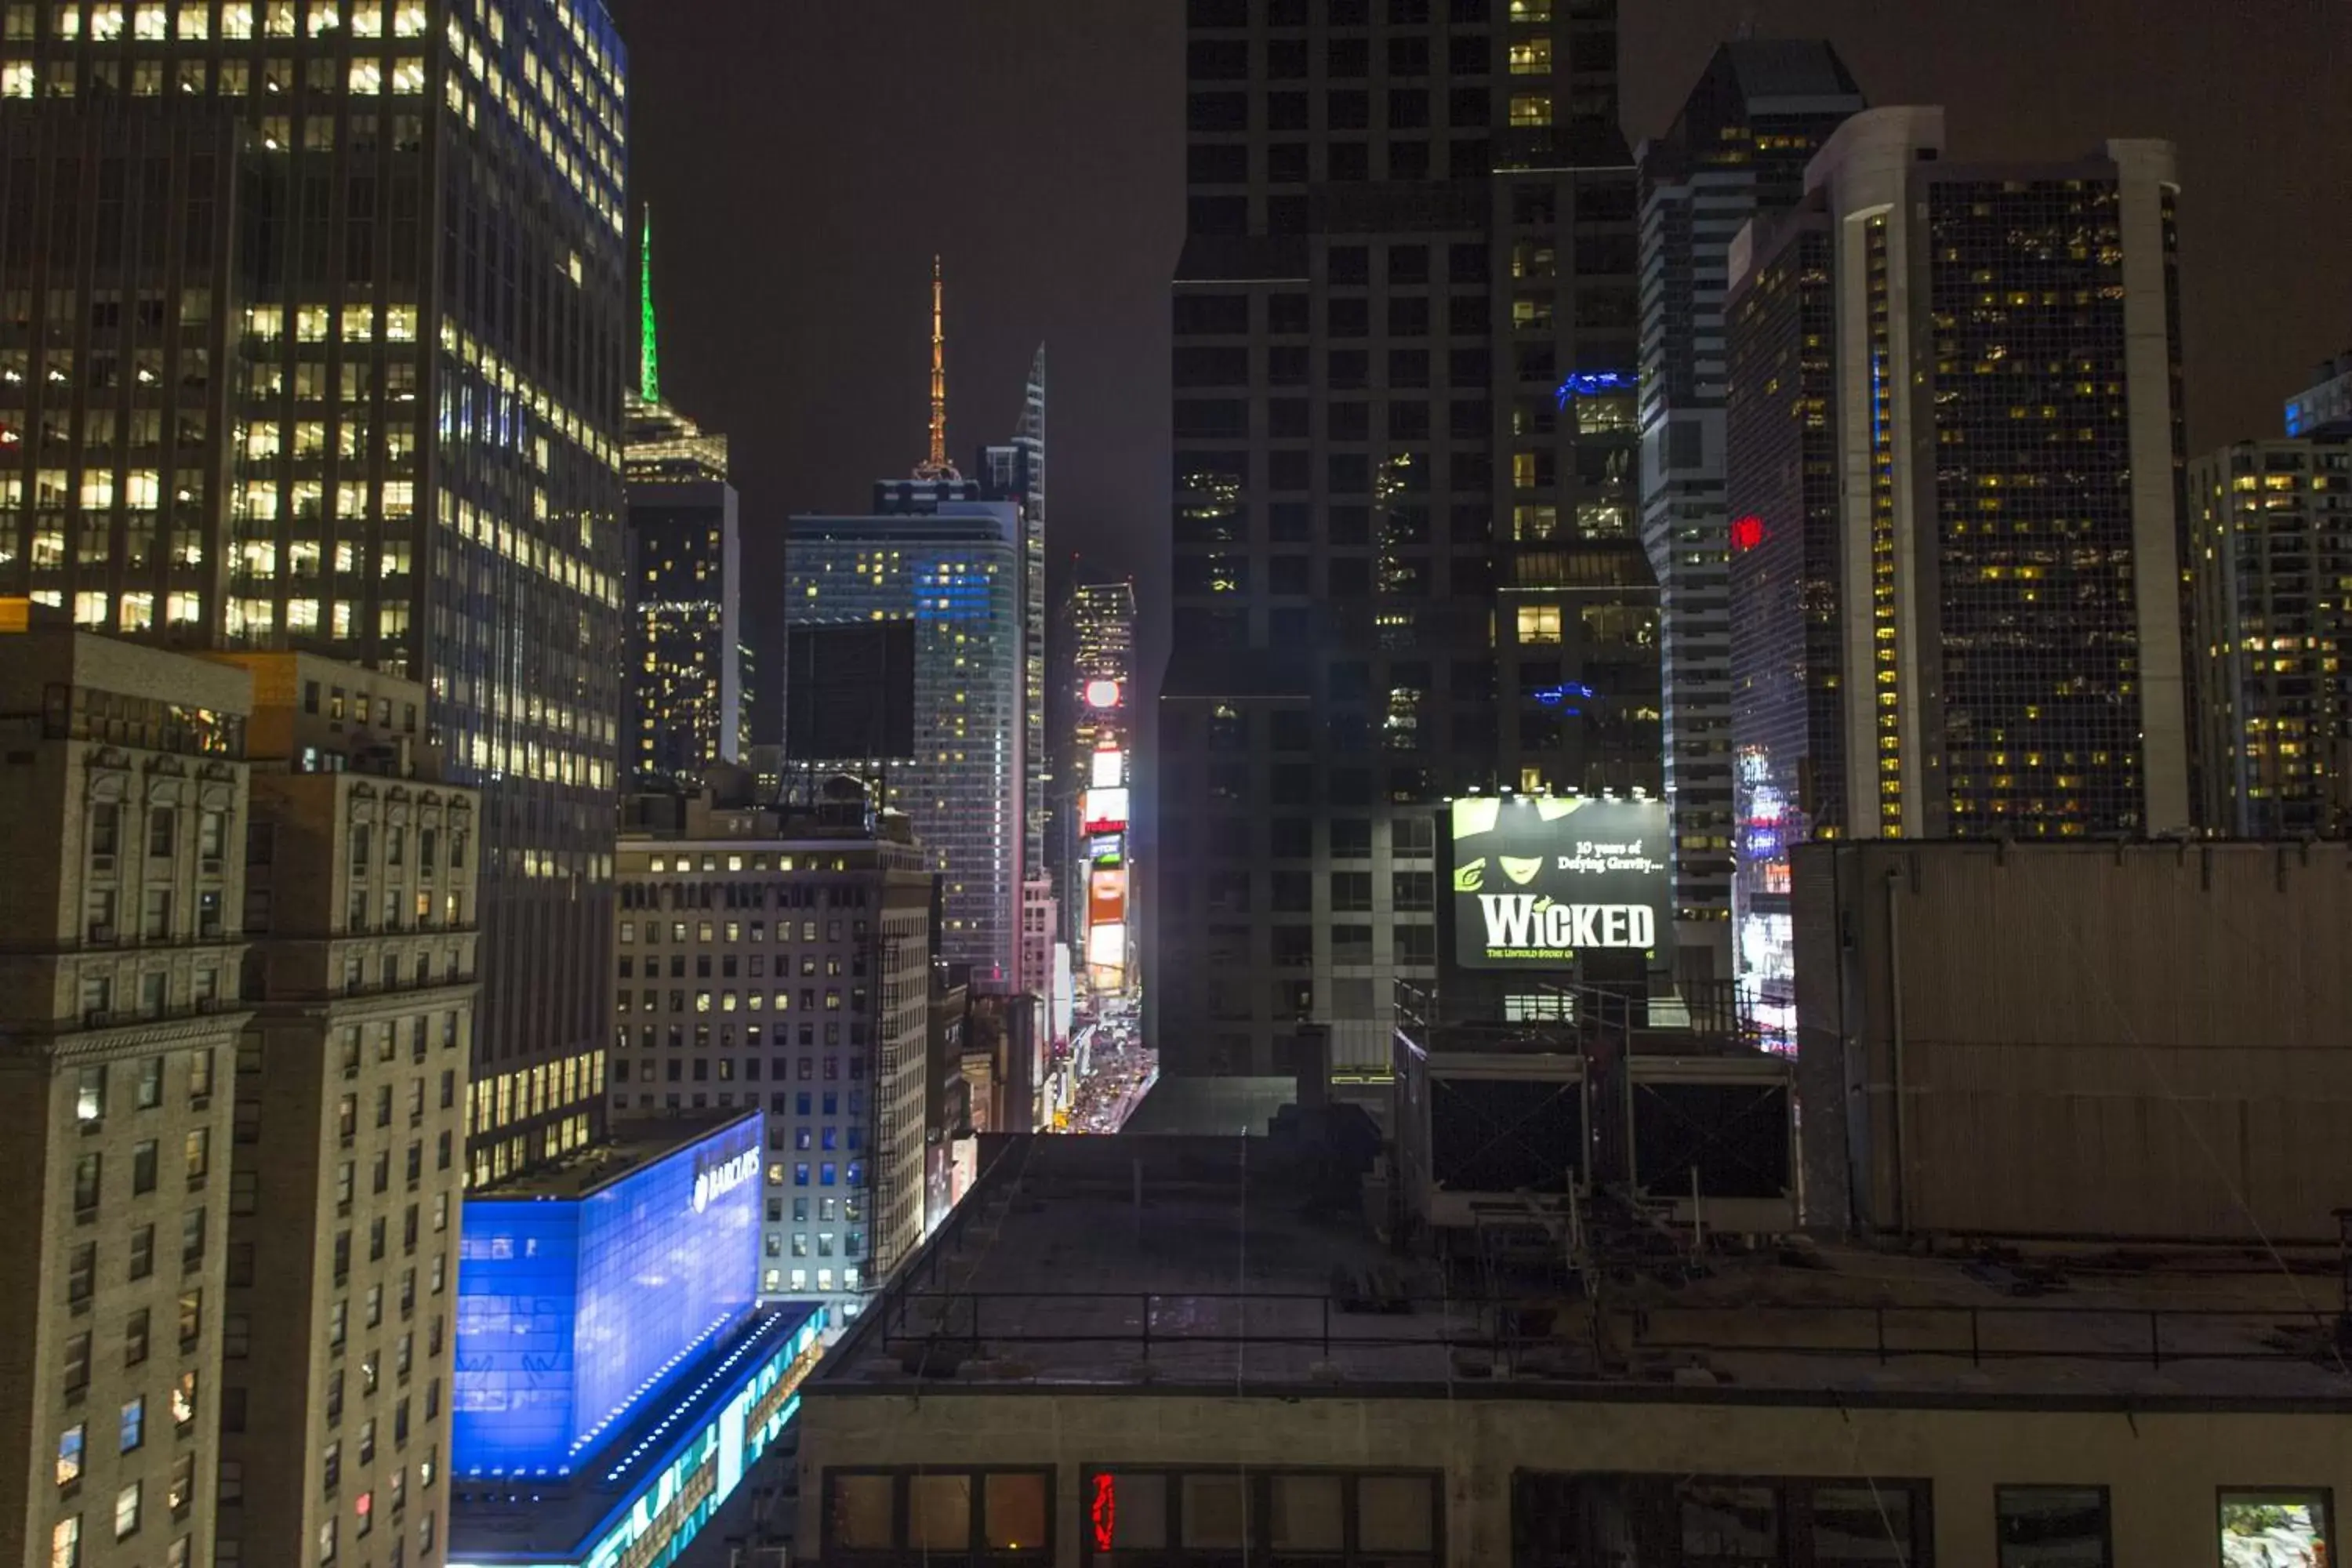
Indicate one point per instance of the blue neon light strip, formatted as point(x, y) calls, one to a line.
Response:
point(1593, 384)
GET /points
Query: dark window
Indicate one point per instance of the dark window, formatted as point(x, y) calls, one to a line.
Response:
point(1286, 163)
point(1347, 57)
point(1212, 315)
point(1350, 161)
point(1286, 110)
point(2053, 1527)
point(1218, 164)
point(1408, 109)
point(1217, 60)
point(1571, 1521)
point(1218, 111)
point(1287, 313)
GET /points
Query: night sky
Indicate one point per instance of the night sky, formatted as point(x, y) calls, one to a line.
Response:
point(803, 161)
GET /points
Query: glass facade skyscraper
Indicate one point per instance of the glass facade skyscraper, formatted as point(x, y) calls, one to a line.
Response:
point(2003, 395)
point(1405, 555)
point(1758, 114)
point(312, 333)
point(955, 570)
point(1780, 502)
point(2271, 525)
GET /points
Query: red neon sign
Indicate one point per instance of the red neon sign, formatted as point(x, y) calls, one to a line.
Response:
point(1746, 532)
point(1103, 1512)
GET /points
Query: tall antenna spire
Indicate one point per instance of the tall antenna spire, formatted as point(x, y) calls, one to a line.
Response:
point(649, 355)
point(936, 465)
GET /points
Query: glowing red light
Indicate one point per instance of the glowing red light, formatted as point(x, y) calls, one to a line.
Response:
point(1102, 693)
point(1103, 1513)
point(1746, 532)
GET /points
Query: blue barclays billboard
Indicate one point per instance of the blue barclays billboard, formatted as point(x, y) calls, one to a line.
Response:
point(571, 1310)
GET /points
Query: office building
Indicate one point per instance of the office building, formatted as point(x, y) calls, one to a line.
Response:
point(351, 1101)
point(1405, 557)
point(951, 573)
point(348, 328)
point(777, 958)
point(619, 1379)
point(125, 790)
point(2004, 383)
point(1739, 146)
point(1780, 461)
point(1015, 471)
point(686, 701)
point(2270, 558)
point(1373, 1410)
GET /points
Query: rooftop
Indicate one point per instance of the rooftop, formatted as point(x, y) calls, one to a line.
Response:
point(530, 1519)
point(630, 1147)
point(1184, 1263)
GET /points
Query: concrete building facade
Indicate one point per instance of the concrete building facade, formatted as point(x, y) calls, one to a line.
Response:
point(1333, 1398)
point(1404, 556)
point(783, 960)
point(353, 1101)
point(125, 788)
point(2137, 1042)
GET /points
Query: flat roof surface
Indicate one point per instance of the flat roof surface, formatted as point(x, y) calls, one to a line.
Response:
point(628, 1147)
point(1247, 1263)
point(497, 1517)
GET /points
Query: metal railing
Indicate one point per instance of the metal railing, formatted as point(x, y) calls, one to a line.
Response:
point(1147, 1321)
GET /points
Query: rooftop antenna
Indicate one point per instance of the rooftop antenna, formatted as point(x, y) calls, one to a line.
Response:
point(936, 465)
point(648, 356)
point(1747, 29)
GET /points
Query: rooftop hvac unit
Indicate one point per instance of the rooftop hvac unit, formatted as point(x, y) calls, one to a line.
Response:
point(1712, 1140)
point(1505, 1135)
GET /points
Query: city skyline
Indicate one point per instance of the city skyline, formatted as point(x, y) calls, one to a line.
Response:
point(1086, 269)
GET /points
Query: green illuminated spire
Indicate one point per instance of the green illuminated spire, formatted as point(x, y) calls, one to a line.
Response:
point(648, 356)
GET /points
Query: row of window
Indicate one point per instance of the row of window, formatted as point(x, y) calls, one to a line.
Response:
point(1133, 1515)
point(732, 964)
point(731, 931)
point(1239, 14)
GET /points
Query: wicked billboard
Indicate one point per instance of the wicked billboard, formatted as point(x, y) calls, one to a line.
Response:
point(1538, 880)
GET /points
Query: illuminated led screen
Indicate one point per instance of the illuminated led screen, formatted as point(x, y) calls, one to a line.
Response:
point(1109, 770)
point(569, 1310)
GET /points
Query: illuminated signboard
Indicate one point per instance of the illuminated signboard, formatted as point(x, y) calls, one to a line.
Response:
point(571, 1310)
point(1538, 881)
point(1104, 693)
point(672, 1495)
point(1104, 811)
point(1110, 769)
point(1105, 898)
point(1106, 946)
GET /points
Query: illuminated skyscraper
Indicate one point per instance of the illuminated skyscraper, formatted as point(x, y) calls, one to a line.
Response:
point(684, 701)
point(953, 570)
point(1015, 471)
point(331, 302)
point(1739, 146)
point(2271, 525)
point(1997, 377)
point(1405, 561)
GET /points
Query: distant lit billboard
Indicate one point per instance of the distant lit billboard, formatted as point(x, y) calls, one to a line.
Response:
point(1105, 898)
point(1110, 769)
point(571, 1309)
point(1538, 880)
point(1104, 693)
point(1104, 810)
point(1106, 946)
